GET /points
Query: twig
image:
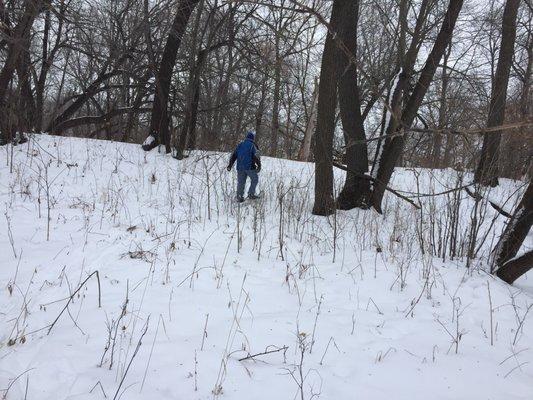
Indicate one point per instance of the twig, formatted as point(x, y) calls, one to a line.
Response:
point(72, 297)
point(327, 347)
point(204, 335)
point(139, 343)
point(252, 356)
point(101, 388)
point(151, 352)
point(4, 397)
point(375, 305)
point(498, 208)
point(491, 319)
point(417, 300)
point(314, 326)
point(374, 180)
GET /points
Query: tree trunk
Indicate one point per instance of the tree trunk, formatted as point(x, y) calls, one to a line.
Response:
point(187, 137)
point(40, 84)
point(526, 84)
point(305, 149)
point(437, 137)
point(325, 127)
point(394, 147)
point(17, 43)
point(356, 190)
point(513, 236)
point(220, 102)
point(516, 267)
point(160, 119)
point(88, 93)
point(4, 25)
point(26, 111)
point(275, 104)
point(406, 63)
point(488, 169)
point(260, 109)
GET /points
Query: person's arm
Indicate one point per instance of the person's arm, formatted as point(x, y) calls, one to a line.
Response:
point(232, 160)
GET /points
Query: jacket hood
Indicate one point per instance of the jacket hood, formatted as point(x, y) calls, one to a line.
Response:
point(250, 135)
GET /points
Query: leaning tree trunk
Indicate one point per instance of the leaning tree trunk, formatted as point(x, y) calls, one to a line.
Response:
point(511, 240)
point(160, 120)
point(516, 267)
point(356, 189)
point(487, 170)
point(55, 125)
point(407, 57)
point(394, 147)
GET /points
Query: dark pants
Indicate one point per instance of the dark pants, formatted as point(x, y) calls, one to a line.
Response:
point(241, 182)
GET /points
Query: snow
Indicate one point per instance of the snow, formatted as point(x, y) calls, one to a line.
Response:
point(375, 316)
point(149, 140)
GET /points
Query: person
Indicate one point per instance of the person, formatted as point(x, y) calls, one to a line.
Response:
point(248, 165)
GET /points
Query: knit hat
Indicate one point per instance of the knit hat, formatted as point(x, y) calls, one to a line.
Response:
point(250, 135)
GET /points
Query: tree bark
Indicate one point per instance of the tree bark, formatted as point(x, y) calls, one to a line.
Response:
point(325, 127)
point(26, 110)
point(305, 149)
point(276, 100)
point(261, 109)
point(515, 268)
point(512, 238)
point(488, 169)
point(48, 56)
point(437, 137)
point(394, 147)
point(406, 63)
point(159, 119)
point(187, 137)
point(356, 190)
point(526, 84)
point(16, 45)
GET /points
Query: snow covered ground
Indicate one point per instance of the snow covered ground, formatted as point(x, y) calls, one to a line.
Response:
point(348, 307)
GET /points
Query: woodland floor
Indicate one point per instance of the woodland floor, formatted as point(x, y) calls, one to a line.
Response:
point(358, 305)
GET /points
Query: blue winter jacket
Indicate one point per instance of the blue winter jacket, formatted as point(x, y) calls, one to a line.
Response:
point(246, 155)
